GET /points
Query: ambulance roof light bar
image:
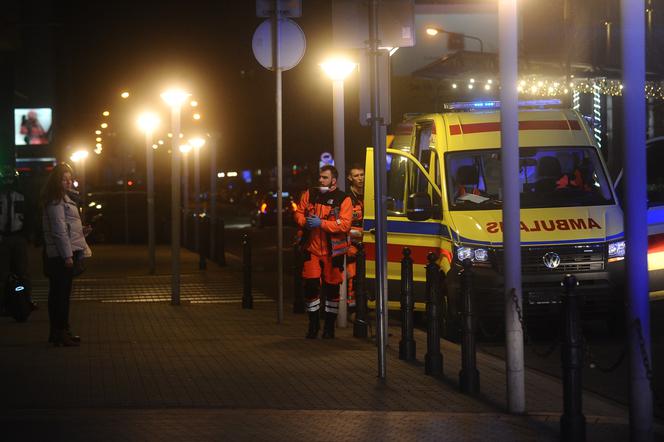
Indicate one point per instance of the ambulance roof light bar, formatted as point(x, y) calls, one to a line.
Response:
point(479, 105)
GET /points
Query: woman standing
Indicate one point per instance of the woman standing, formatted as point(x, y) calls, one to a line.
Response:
point(64, 242)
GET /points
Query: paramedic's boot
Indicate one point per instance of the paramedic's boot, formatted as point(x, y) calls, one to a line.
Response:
point(328, 330)
point(314, 325)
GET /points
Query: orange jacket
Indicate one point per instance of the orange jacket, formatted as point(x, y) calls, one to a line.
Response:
point(357, 223)
point(335, 210)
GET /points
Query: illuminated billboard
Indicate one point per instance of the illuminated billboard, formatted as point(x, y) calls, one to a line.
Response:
point(32, 126)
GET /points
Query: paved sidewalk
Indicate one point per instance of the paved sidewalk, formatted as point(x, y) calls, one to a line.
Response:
point(213, 371)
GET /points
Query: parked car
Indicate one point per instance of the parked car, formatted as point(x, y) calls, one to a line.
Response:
point(265, 213)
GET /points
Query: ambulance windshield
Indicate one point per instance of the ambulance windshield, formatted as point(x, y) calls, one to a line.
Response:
point(548, 177)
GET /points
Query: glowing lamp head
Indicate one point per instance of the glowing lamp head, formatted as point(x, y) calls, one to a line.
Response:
point(175, 97)
point(338, 68)
point(433, 31)
point(79, 155)
point(197, 143)
point(185, 148)
point(148, 122)
point(124, 94)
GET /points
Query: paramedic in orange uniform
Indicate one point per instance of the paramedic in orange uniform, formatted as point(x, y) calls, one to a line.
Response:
point(324, 218)
point(356, 193)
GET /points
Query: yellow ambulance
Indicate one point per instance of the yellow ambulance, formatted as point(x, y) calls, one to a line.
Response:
point(444, 196)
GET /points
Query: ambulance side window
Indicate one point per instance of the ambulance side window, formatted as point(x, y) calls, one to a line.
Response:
point(423, 141)
point(396, 185)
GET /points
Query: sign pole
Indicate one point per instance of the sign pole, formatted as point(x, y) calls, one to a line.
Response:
point(280, 201)
point(379, 186)
point(636, 225)
point(509, 141)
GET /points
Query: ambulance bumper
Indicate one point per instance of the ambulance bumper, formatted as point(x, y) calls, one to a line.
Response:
point(542, 293)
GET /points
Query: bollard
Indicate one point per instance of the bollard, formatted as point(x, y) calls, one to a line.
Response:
point(298, 294)
point(361, 326)
point(407, 344)
point(247, 299)
point(469, 376)
point(433, 361)
point(572, 422)
point(220, 252)
point(202, 237)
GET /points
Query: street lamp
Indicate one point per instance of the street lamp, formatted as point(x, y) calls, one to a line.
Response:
point(337, 69)
point(79, 157)
point(197, 144)
point(435, 31)
point(148, 122)
point(174, 98)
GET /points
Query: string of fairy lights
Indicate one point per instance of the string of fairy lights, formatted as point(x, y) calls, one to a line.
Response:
point(547, 87)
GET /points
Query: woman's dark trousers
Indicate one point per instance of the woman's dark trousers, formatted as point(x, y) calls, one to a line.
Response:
point(59, 291)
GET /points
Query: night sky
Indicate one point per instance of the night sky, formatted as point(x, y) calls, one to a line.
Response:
point(104, 48)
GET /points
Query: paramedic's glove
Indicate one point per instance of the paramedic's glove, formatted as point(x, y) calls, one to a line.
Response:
point(313, 222)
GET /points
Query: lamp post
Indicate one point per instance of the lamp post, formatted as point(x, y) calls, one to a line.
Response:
point(184, 149)
point(174, 98)
point(337, 70)
point(148, 122)
point(79, 157)
point(436, 31)
point(197, 143)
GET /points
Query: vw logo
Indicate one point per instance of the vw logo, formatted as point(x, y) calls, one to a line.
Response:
point(551, 260)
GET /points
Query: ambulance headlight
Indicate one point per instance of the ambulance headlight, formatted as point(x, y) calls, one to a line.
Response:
point(481, 255)
point(617, 249)
point(475, 255)
point(464, 253)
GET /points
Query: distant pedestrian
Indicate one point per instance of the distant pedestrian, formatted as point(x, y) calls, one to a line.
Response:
point(14, 231)
point(64, 248)
point(324, 218)
point(356, 179)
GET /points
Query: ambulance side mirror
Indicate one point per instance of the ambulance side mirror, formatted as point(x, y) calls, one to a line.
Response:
point(419, 207)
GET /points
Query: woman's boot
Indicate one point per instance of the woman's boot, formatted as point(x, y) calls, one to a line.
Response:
point(62, 339)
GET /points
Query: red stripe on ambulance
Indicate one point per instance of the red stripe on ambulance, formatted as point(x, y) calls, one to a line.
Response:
point(474, 128)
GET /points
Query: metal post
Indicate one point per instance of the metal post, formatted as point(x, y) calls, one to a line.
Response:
point(407, 344)
point(175, 207)
point(276, 65)
point(433, 360)
point(509, 138)
point(340, 164)
point(636, 226)
point(197, 220)
point(82, 188)
point(572, 422)
point(149, 162)
point(378, 140)
point(298, 294)
point(247, 298)
point(185, 200)
point(213, 200)
point(360, 327)
point(469, 376)
point(125, 197)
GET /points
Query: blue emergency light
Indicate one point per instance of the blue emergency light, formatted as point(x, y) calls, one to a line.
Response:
point(479, 105)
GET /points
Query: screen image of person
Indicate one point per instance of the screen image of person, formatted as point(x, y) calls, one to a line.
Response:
point(33, 126)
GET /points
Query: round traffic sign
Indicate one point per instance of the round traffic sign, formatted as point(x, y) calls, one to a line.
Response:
point(291, 44)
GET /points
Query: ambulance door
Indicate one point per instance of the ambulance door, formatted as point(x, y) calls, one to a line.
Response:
point(405, 176)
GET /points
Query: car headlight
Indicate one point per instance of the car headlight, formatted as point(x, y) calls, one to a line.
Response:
point(617, 249)
point(474, 254)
